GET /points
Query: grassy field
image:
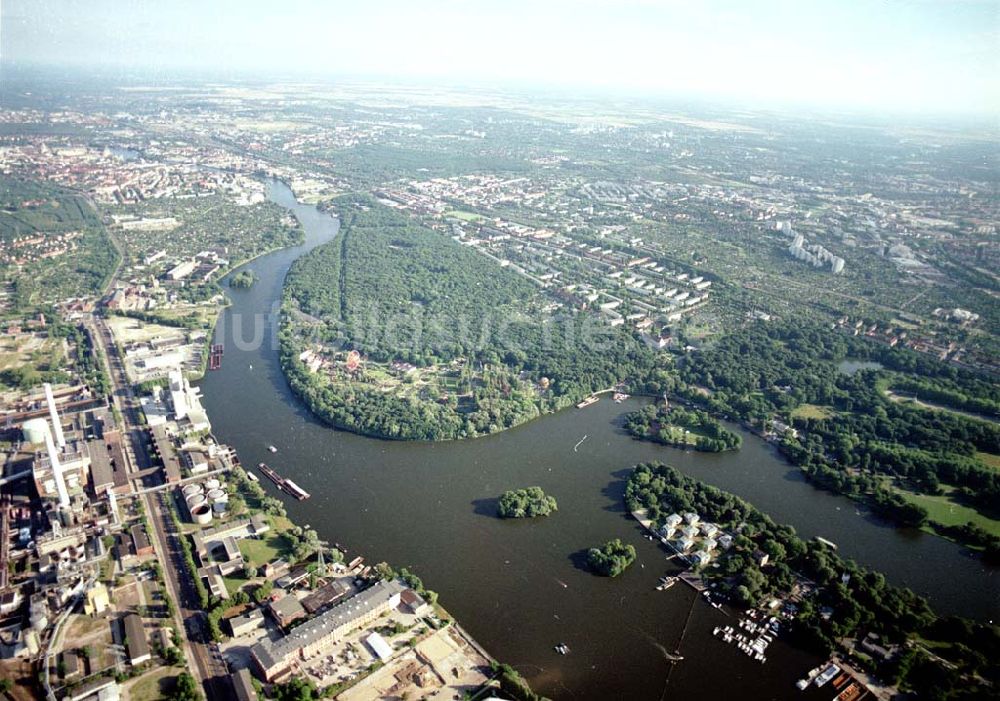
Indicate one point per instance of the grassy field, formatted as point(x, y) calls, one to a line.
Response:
point(811, 411)
point(32, 350)
point(204, 314)
point(155, 684)
point(948, 512)
point(464, 216)
point(127, 330)
point(989, 459)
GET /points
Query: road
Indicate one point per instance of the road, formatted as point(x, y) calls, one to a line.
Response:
point(208, 668)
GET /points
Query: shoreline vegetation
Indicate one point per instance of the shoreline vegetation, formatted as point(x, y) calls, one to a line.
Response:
point(525, 503)
point(837, 601)
point(784, 381)
point(395, 331)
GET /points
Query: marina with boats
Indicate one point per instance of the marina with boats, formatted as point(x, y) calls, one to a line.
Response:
point(753, 636)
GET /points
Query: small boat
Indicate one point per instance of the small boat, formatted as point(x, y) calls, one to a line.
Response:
point(666, 583)
point(619, 397)
point(588, 401)
point(272, 449)
point(252, 477)
point(562, 648)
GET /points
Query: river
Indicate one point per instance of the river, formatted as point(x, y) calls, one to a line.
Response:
point(518, 587)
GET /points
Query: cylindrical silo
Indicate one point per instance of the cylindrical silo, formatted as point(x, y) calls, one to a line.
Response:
point(35, 430)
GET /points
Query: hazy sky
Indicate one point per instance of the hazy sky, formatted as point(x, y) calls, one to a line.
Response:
point(928, 55)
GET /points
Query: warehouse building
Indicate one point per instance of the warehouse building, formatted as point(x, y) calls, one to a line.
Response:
point(274, 659)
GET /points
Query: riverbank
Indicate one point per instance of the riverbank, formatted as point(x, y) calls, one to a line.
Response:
point(517, 587)
point(274, 565)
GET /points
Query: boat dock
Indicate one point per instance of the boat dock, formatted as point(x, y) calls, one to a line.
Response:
point(692, 580)
point(283, 484)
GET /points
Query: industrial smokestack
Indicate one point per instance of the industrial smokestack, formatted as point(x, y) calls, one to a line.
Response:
point(54, 415)
point(57, 471)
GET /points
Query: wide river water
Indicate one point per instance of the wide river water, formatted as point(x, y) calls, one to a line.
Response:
point(517, 587)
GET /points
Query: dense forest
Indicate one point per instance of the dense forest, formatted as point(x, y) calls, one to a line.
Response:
point(525, 503)
point(396, 291)
point(682, 428)
point(860, 443)
point(848, 600)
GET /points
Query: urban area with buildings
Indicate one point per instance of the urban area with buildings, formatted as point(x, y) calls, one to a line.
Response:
point(132, 539)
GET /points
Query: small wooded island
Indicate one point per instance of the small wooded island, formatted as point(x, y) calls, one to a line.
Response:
point(243, 280)
point(682, 428)
point(525, 503)
point(611, 559)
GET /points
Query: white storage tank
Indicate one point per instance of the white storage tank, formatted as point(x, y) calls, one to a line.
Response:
point(218, 495)
point(212, 484)
point(191, 490)
point(35, 430)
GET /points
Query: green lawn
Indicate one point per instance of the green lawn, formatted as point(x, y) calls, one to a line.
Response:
point(948, 512)
point(272, 546)
point(263, 551)
point(811, 411)
point(234, 583)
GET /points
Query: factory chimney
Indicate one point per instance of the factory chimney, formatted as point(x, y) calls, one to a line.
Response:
point(57, 472)
point(54, 415)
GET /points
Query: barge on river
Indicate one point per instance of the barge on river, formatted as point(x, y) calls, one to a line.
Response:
point(285, 485)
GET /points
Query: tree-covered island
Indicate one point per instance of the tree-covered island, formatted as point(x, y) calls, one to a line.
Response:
point(612, 558)
point(525, 503)
point(243, 280)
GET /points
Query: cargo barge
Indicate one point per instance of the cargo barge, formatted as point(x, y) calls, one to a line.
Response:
point(283, 484)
